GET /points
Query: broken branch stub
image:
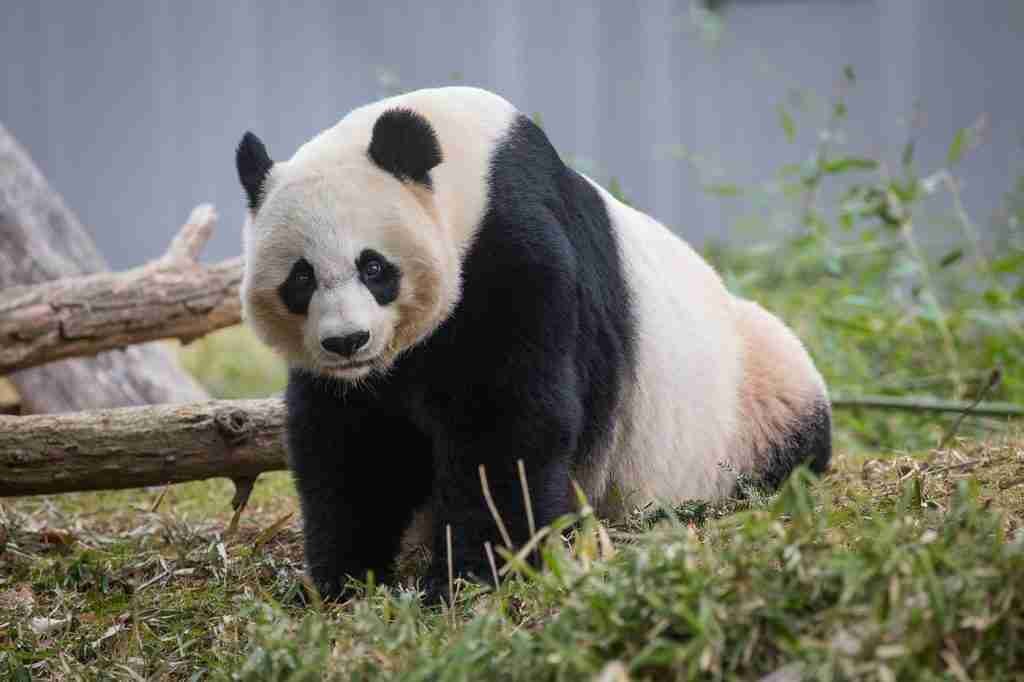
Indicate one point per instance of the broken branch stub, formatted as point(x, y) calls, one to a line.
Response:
point(172, 297)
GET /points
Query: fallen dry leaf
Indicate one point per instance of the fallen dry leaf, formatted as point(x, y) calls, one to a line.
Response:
point(44, 626)
point(56, 537)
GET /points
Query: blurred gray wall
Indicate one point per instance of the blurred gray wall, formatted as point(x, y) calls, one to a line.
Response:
point(133, 109)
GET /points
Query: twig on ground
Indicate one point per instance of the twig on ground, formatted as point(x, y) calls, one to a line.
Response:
point(880, 402)
point(993, 379)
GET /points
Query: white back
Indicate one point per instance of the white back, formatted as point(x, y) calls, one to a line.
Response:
point(718, 378)
point(680, 415)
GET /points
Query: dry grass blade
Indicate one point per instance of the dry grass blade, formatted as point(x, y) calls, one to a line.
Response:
point(159, 498)
point(526, 497)
point(451, 566)
point(270, 531)
point(494, 566)
point(519, 558)
point(312, 594)
point(506, 538)
point(155, 579)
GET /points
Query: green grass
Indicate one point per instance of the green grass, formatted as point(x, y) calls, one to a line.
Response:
point(868, 336)
point(232, 363)
point(892, 568)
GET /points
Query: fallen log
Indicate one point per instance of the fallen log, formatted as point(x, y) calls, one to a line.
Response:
point(238, 439)
point(140, 446)
point(172, 297)
point(40, 240)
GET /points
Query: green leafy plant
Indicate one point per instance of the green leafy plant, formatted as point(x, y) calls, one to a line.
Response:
point(891, 298)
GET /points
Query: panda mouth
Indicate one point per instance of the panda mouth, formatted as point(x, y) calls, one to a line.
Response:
point(346, 366)
point(356, 365)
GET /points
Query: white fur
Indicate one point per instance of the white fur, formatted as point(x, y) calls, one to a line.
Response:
point(716, 377)
point(329, 201)
point(469, 122)
point(686, 426)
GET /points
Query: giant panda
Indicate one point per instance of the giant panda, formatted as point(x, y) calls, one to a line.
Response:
point(449, 294)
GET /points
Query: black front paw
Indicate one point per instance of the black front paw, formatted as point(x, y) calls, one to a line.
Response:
point(435, 589)
point(333, 589)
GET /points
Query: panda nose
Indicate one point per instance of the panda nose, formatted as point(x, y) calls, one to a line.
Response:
point(345, 346)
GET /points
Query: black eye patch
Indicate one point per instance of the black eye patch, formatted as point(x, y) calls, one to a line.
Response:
point(297, 290)
point(380, 276)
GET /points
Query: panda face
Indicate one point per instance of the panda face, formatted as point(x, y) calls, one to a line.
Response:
point(343, 268)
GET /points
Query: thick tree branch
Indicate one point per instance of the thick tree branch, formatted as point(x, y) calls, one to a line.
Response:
point(42, 240)
point(238, 439)
point(173, 297)
point(140, 446)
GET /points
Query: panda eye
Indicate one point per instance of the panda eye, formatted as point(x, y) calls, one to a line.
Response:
point(302, 273)
point(372, 269)
point(379, 275)
point(297, 290)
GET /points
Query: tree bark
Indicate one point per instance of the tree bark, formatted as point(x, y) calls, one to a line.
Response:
point(173, 297)
point(140, 446)
point(41, 240)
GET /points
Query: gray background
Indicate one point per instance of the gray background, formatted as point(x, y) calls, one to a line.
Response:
point(133, 109)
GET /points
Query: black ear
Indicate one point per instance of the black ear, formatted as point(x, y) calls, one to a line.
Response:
point(253, 165)
point(405, 145)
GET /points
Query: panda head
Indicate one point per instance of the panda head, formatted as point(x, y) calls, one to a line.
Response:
point(347, 263)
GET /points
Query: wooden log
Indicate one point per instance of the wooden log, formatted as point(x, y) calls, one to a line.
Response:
point(10, 402)
point(40, 240)
point(154, 445)
point(173, 297)
point(140, 446)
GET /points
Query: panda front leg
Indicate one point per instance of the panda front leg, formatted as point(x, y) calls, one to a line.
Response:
point(537, 420)
point(360, 471)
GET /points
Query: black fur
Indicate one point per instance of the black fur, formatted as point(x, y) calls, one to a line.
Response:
point(297, 290)
point(405, 145)
point(360, 471)
point(529, 366)
point(384, 286)
point(253, 165)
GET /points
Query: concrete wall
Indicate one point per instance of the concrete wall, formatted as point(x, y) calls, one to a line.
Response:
point(133, 108)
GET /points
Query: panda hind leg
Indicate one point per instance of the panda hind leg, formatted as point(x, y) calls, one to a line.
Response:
point(785, 412)
point(806, 441)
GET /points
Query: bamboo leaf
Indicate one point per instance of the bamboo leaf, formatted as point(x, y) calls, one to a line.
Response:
point(907, 157)
point(952, 257)
point(724, 189)
point(848, 163)
point(786, 121)
point(956, 149)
